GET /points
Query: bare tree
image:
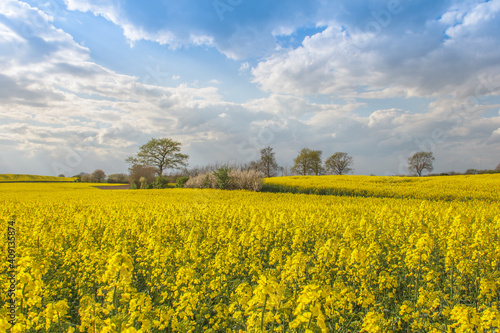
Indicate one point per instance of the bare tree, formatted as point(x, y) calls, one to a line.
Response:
point(339, 164)
point(268, 162)
point(421, 161)
point(161, 153)
point(498, 167)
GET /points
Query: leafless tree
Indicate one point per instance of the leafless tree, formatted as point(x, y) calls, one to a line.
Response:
point(339, 164)
point(421, 161)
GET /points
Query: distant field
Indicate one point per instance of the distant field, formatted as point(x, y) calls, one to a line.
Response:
point(33, 178)
point(484, 187)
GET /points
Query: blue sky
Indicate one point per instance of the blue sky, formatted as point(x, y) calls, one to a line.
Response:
point(85, 83)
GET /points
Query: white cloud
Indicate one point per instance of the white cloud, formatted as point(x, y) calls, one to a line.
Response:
point(58, 105)
point(55, 97)
point(245, 66)
point(416, 62)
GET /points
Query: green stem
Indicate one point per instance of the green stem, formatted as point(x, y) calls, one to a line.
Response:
point(262, 317)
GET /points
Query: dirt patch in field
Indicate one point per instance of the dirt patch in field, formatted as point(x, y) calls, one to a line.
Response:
point(119, 187)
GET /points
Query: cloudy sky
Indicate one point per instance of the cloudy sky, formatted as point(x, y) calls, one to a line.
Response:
point(84, 83)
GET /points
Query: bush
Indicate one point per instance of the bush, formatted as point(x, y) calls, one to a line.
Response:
point(160, 182)
point(144, 183)
point(205, 180)
point(222, 177)
point(250, 180)
point(238, 180)
point(181, 181)
point(119, 178)
point(139, 171)
point(86, 178)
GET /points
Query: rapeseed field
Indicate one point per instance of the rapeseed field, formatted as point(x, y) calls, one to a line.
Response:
point(391, 255)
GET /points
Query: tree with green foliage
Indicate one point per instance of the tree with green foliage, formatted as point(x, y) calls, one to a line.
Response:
point(181, 181)
point(118, 178)
point(98, 176)
point(222, 176)
point(420, 161)
point(339, 164)
point(308, 162)
point(268, 163)
point(163, 153)
point(160, 182)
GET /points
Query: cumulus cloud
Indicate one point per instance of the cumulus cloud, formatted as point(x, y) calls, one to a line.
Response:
point(238, 29)
point(56, 101)
point(418, 61)
point(67, 113)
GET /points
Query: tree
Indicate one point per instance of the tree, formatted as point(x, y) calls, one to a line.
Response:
point(118, 178)
point(339, 164)
point(421, 161)
point(140, 171)
point(308, 162)
point(498, 167)
point(316, 163)
point(222, 176)
point(268, 162)
point(86, 178)
point(163, 153)
point(98, 176)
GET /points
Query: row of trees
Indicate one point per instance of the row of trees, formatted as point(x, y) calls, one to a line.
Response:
point(99, 176)
point(158, 155)
point(309, 162)
point(162, 154)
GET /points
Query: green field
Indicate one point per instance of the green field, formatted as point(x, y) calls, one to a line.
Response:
point(15, 178)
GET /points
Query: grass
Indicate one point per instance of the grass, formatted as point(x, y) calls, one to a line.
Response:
point(16, 178)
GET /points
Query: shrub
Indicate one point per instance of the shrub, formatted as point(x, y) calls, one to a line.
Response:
point(205, 180)
point(118, 178)
point(86, 178)
point(181, 181)
point(222, 177)
point(250, 180)
point(238, 180)
point(139, 171)
point(160, 182)
point(144, 183)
